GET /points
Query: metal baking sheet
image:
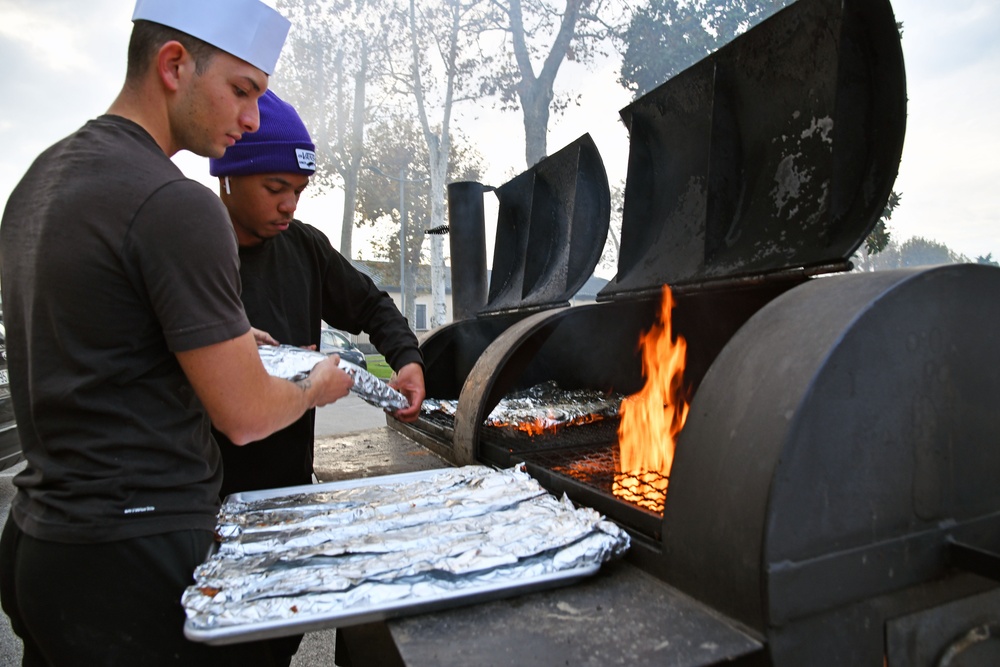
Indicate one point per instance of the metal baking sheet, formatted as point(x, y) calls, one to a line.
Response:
point(472, 594)
point(282, 628)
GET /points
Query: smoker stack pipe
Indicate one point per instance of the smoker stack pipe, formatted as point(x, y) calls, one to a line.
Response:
point(467, 219)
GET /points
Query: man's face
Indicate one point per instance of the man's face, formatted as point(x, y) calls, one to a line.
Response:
point(215, 108)
point(262, 205)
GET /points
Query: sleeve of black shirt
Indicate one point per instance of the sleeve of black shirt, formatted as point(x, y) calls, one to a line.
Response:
point(353, 302)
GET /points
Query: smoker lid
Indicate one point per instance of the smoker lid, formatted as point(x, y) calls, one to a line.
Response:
point(551, 227)
point(775, 153)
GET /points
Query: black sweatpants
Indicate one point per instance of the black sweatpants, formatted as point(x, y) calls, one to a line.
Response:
point(108, 604)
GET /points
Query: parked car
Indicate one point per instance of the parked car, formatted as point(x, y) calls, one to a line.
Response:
point(10, 443)
point(333, 341)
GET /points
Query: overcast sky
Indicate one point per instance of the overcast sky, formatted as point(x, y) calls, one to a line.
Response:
point(64, 61)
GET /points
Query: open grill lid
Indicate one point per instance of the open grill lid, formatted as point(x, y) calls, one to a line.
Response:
point(776, 153)
point(768, 161)
point(551, 227)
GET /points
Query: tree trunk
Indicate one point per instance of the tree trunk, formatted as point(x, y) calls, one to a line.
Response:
point(536, 92)
point(412, 272)
point(438, 150)
point(351, 170)
point(439, 316)
point(536, 124)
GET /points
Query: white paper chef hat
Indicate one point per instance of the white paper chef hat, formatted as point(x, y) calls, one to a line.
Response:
point(247, 29)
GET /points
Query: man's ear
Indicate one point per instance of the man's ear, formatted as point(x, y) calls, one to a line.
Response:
point(172, 61)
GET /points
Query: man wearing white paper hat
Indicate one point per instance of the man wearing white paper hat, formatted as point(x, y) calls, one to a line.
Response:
point(127, 340)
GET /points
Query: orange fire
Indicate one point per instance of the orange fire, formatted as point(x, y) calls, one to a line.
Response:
point(652, 418)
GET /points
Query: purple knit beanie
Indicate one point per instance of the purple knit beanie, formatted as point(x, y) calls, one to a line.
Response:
point(280, 145)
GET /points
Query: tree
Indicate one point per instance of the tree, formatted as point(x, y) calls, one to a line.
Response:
point(448, 28)
point(394, 185)
point(878, 239)
point(916, 251)
point(919, 251)
point(430, 65)
point(324, 72)
point(612, 246)
point(880, 236)
point(987, 260)
point(666, 37)
point(536, 31)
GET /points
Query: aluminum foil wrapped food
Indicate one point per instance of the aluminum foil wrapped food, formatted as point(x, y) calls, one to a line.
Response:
point(353, 549)
point(545, 406)
point(373, 390)
point(287, 361)
point(295, 363)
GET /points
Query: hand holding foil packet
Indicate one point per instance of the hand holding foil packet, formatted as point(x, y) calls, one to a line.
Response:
point(295, 363)
point(372, 389)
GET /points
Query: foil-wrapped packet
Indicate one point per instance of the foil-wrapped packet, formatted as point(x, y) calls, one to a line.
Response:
point(373, 390)
point(544, 406)
point(295, 363)
point(288, 362)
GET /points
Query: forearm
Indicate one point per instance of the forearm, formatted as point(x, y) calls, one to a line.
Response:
point(243, 401)
point(279, 404)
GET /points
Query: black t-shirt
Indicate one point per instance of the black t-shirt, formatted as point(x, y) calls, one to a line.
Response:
point(111, 262)
point(291, 283)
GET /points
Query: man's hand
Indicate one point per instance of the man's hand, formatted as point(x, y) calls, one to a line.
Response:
point(409, 381)
point(262, 337)
point(327, 374)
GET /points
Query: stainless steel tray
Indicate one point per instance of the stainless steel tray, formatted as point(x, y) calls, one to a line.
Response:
point(375, 612)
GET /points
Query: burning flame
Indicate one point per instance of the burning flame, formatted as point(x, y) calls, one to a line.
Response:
point(652, 418)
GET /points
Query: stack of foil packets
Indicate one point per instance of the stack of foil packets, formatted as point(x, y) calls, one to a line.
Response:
point(339, 550)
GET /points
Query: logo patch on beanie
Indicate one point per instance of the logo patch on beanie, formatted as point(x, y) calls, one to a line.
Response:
point(307, 159)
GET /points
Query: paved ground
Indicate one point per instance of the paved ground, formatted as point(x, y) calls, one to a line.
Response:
point(352, 440)
point(348, 415)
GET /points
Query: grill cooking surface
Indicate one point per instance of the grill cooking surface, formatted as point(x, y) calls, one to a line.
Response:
point(597, 467)
point(594, 466)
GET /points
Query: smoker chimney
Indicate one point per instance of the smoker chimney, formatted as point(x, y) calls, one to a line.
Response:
point(468, 248)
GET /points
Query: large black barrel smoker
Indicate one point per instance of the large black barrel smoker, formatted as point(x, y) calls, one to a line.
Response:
point(835, 495)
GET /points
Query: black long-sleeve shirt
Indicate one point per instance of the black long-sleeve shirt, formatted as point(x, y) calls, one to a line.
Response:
point(291, 283)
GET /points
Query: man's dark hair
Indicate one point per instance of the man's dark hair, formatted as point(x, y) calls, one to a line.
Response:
point(148, 37)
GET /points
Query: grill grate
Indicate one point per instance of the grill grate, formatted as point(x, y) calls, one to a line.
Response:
point(587, 454)
point(597, 466)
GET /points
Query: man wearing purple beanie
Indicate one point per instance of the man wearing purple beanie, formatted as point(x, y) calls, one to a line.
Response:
point(293, 280)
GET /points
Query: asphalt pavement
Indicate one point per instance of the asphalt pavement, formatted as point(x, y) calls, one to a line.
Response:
point(348, 415)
